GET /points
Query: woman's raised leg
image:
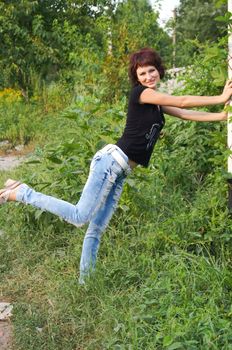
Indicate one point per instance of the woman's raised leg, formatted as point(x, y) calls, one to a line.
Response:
point(96, 189)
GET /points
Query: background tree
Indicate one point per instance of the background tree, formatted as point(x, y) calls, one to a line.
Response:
point(196, 24)
point(132, 26)
point(64, 38)
point(39, 36)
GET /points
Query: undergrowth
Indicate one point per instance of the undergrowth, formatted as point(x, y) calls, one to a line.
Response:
point(163, 278)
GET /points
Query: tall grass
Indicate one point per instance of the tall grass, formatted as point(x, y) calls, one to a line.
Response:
point(163, 279)
point(24, 120)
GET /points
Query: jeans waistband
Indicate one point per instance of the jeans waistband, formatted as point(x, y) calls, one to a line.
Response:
point(118, 155)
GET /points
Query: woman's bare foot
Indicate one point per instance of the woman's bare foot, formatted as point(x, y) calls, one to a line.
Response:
point(11, 184)
point(9, 192)
point(7, 196)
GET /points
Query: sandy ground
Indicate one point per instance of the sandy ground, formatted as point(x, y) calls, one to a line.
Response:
point(5, 335)
point(9, 162)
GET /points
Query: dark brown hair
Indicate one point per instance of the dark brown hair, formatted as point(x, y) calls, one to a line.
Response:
point(145, 57)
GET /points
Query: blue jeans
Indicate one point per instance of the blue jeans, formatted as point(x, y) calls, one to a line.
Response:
point(96, 205)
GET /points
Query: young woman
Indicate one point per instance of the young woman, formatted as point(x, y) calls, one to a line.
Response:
point(111, 165)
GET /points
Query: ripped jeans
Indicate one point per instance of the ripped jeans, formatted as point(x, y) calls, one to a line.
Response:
point(96, 205)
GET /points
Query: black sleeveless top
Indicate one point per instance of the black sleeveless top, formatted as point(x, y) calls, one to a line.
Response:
point(143, 125)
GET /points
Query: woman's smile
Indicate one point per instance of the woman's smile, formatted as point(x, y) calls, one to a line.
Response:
point(148, 76)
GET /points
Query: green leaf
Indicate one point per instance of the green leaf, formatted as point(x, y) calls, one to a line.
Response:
point(176, 345)
point(168, 339)
point(55, 159)
point(33, 162)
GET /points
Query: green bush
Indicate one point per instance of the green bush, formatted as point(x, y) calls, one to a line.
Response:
point(163, 279)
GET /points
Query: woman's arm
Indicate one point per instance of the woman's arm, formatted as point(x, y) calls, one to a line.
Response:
point(198, 116)
point(153, 97)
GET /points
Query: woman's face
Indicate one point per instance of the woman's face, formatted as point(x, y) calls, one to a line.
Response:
point(148, 76)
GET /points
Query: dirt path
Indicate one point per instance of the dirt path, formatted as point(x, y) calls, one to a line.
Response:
point(10, 162)
point(5, 335)
point(5, 326)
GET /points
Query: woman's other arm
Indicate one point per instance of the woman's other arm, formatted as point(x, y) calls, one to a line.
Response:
point(198, 116)
point(154, 97)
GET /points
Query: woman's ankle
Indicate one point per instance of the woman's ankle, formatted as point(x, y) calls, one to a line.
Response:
point(12, 195)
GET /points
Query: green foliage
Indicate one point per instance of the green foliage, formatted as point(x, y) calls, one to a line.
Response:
point(71, 40)
point(163, 277)
point(14, 123)
point(133, 26)
point(163, 280)
point(40, 36)
point(24, 121)
point(198, 22)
